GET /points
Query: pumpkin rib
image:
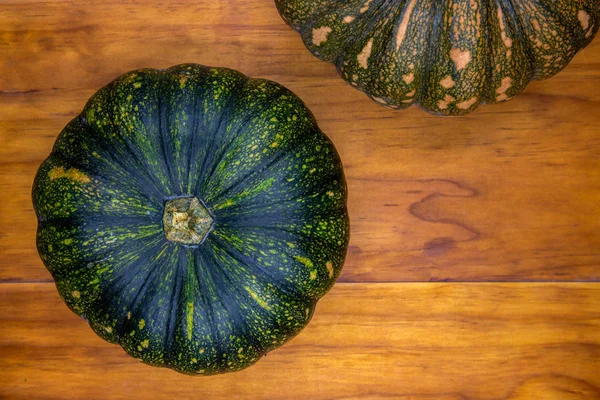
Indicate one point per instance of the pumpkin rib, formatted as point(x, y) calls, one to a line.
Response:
point(162, 133)
point(235, 91)
point(233, 145)
point(217, 159)
point(145, 295)
point(518, 23)
point(536, 54)
point(487, 93)
point(66, 159)
point(139, 168)
point(234, 314)
point(118, 286)
point(116, 186)
point(170, 329)
point(527, 44)
point(573, 31)
point(219, 285)
point(152, 189)
point(199, 265)
point(514, 66)
point(271, 163)
point(193, 144)
point(259, 169)
point(380, 50)
point(138, 157)
point(428, 57)
point(282, 286)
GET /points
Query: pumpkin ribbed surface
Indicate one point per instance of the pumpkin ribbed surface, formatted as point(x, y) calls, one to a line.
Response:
point(193, 215)
point(446, 56)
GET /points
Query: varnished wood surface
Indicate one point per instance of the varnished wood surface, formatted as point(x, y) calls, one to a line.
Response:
point(509, 193)
point(445, 341)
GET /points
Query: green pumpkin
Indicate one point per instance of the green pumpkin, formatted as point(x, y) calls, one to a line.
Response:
point(193, 215)
point(446, 56)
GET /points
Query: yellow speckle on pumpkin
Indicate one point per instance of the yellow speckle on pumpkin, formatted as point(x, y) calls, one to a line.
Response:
point(584, 19)
point(201, 351)
point(443, 104)
point(182, 81)
point(194, 360)
point(364, 55)
point(274, 144)
point(348, 18)
point(260, 301)
point(447, 82)
point(461, 58)
point(501, 91)
point(305, 261)
point(330, 193)
point(319, 35)
point(408, 78)
point(129, 315)
point(329, 266)
point(76, 294)
point(108, 329)
point(189, 319)
point(365, 6)
point(141, 324)
point(72, 174)
point(145, 343)
point(467, 104)
point(137, 85)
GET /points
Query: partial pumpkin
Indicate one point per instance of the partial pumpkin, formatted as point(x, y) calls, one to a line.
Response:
point(193, 215)
point(446, 56)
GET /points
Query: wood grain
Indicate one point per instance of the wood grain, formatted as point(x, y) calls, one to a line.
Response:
point(366, 341)
point(507, 193)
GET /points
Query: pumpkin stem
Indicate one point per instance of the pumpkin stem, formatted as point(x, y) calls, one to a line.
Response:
point(186, 221)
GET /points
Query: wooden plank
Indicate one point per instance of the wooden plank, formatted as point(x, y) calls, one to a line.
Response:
point(366, 341)
point(509, 192)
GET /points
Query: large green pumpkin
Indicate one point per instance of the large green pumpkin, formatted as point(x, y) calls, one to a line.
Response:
point(193, 215)
point(446, 56)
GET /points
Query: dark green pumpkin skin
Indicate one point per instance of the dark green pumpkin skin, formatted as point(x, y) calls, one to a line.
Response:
point(446, 56)
point(253, 154)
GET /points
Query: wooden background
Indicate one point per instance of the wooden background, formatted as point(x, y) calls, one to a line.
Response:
point(475, 253)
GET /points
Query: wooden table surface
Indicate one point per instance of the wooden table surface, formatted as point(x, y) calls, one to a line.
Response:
point(475, 253)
